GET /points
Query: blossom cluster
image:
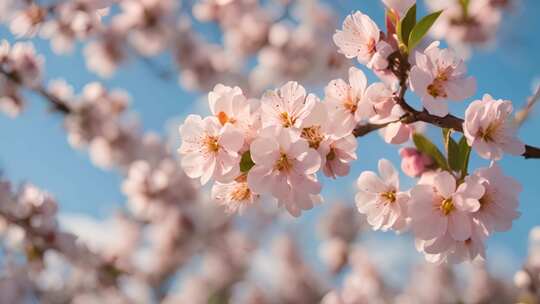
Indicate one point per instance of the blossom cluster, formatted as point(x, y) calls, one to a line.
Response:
point(253, 146)
point(20, 66)
point(469, 23)
point(277, 144)
point(112, 31)
point(272, 146)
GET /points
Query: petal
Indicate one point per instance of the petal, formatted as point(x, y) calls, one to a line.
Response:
point(388, 173)
point(370, 182)
point(308, 163)
point(231, 138)
point(460, 89)
point(435, 106)
point(459, 225)
point(259, 179)
point(445, 184)
point(358, 81)
point(264, 151)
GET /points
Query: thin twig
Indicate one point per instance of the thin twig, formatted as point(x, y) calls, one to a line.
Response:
point(449, 121)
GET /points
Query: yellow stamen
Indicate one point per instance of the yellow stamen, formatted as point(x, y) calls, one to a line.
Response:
point(211, 143)
point(283, 163)
point(313, 135)
point(447, 206)
point(241, 192)
point(286, 120)
point(389, 196)
point(350, 105)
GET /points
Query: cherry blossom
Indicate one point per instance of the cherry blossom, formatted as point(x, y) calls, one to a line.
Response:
point(399, 6)
point(209, 150)
point(341, 152)
point(478, 27)
point(286, 107)
point(438, 76)
point(442, 207)
point(235, 196)
point(360, 38)
point(347, 101)
point(229, 105)
point(489, 130)
point(26, 63)
point(285, 166)
point(383, 106)
point(27, 21)
point(499, 203)
point(380, 198)
point(150, 21)
point(446, 249)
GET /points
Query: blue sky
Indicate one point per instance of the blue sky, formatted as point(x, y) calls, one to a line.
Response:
point(33, 147)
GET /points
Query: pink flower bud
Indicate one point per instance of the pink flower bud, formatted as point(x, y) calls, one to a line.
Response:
point(414, 162)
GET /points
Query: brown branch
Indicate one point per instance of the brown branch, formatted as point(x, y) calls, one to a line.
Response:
point(56, 103)
point(412, 115)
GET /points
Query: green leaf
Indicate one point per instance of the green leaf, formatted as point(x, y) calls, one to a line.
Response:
point(452, 150)
point(423, 144)
point(421, 29)
point(465, 7)
point(246, 163)
point(406, 25)
point(464, 156)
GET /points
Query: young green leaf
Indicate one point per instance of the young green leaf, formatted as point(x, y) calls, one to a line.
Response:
point(452, 150)
point(421, 29)
point(465, 7)
point(246, 163)
point(406, 25)
point(423, 144)
point(464, 155)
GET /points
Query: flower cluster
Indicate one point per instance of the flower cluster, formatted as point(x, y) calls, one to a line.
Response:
point(276, 145)
point(114, 30)
point(273, 146)
point(469, 23)
point(19, 66)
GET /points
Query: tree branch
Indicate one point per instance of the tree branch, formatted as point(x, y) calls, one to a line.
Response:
point(56, 103)
point(400, 69)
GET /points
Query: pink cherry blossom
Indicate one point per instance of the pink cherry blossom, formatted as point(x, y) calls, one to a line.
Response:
point(286, 107)
point(397, 133)
point(341, 152)
point(27, 22)
point(438, 76)
point(441, 207)
point(235, 196)
point(414, 162)
point(361, 39)
point(383, 106)
point(285, 167)
point(209, 150)
point(151, 23)
point(499, 203)
point(347, 101)
point(229, 105)
point(446, 249)
point(400, 6)
point(26, 63)
point(379, 198)
point(331, 138)
point(489, 130)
